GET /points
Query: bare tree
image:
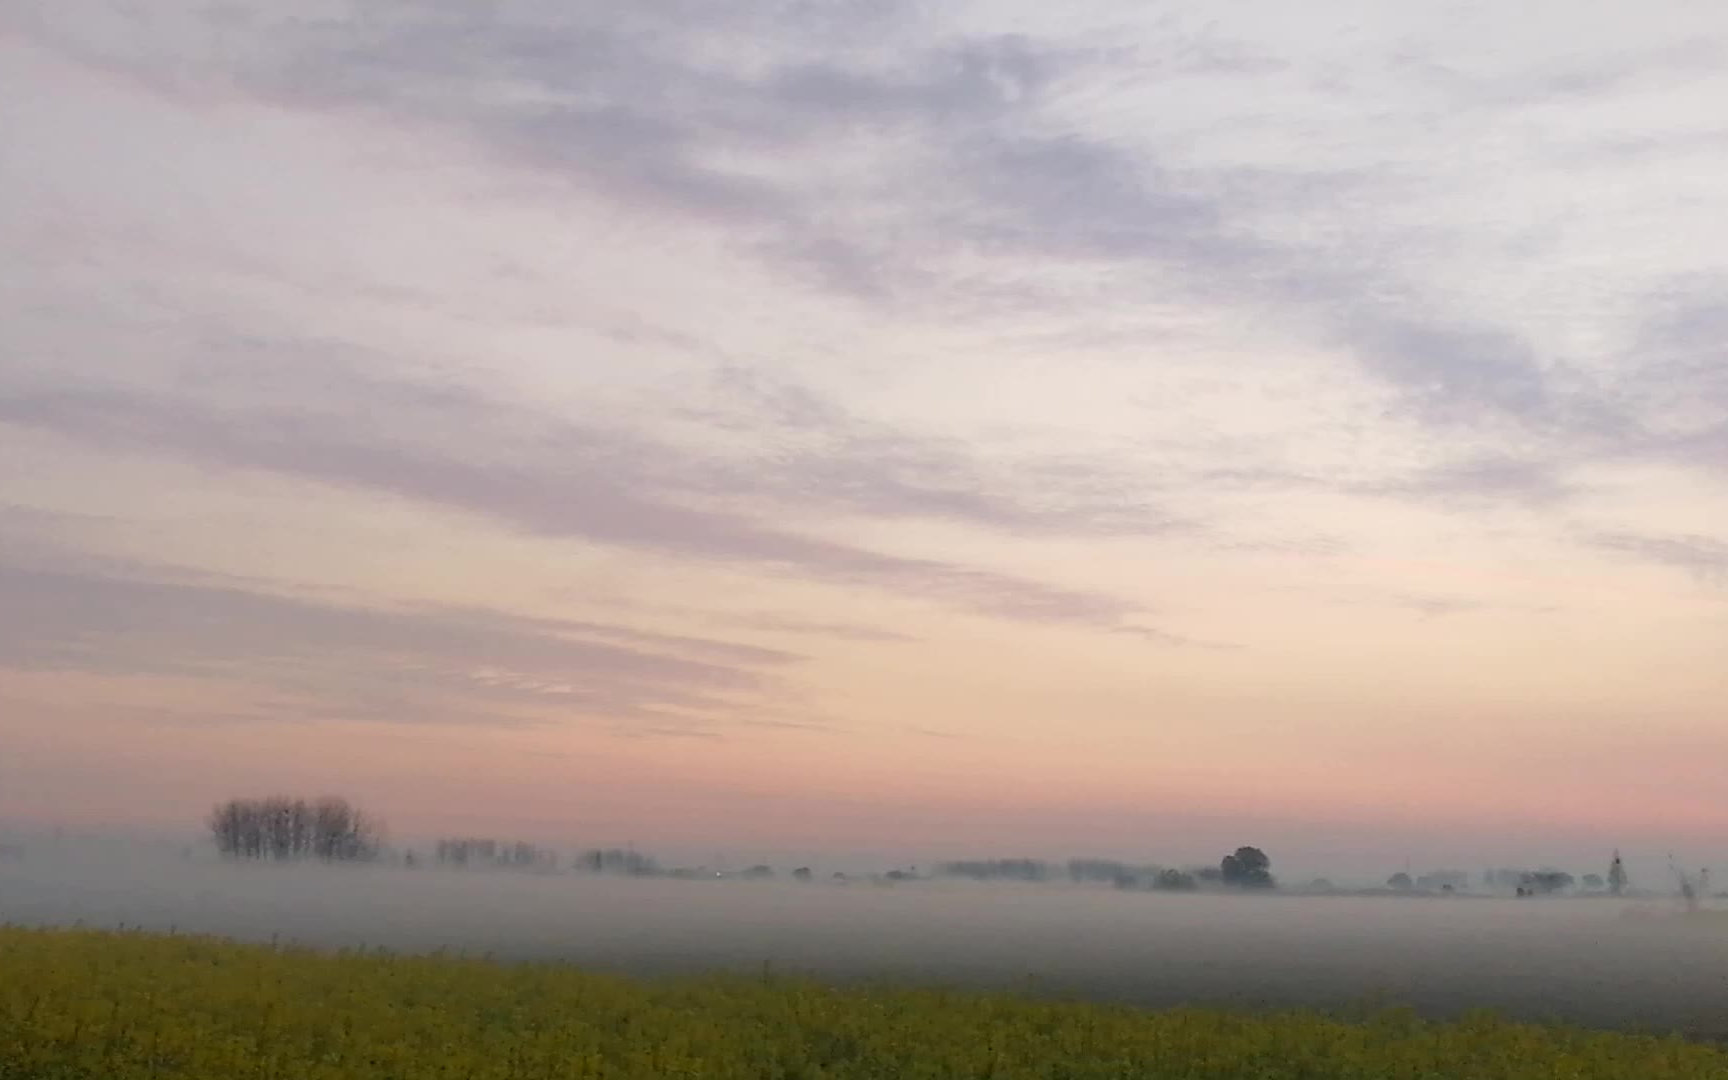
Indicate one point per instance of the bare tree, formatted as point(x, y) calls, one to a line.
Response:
point(229, 827)
point(283, 828)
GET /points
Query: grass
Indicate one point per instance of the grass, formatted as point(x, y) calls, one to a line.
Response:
point(117, 1006)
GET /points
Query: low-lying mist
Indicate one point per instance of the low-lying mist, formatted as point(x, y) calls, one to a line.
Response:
point(1601, 962)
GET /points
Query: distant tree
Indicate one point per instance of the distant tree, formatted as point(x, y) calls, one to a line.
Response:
point(1130, 878)
point(801, 874)
point(341, 832)
point(616, 861)
point(1617, 880)
point(1595, 882)
point(282, 828)
point(1539, 882)
point(487, 852)
point(1171, 880)
point(1106, 870)
point(758, 872)
point(230, 827)
point(1443, 881)
point(1506, 879)
point(1248, 868)
point(520, 854)
point(1401, 882)
point(997, 870)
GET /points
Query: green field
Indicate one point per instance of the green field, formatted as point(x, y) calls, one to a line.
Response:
point(77, 1004)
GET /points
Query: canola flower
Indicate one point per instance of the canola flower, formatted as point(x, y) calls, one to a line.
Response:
point(83, 1005)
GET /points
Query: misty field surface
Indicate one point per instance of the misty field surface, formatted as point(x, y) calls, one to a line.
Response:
point(82, 1004)
point(1599, 963)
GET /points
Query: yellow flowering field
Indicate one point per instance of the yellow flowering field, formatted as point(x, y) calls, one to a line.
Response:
point(118, 1006)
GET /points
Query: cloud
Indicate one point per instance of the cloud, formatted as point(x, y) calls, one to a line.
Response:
point(1484, 478)
point(1680, 353)
point(670, 733)
point(1161, 637)
point(302, 657)
point(573, 481)
point(926, 171)
point(1703, 557)
point(973, 152)
point(1586, 79)
point(1426, 605)
point(1694, 327)
point(825, 456)
point(801, 627)
point(1682, 344)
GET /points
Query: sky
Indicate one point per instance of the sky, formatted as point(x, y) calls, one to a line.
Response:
point(1108, 427)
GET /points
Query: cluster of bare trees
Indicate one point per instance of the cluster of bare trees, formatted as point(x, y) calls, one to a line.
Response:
point(280, 827)
point(465, 851)
point(616, 861)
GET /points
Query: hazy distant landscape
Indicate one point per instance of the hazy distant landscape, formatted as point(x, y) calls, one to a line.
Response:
point(1599, 961)
point(863, 540)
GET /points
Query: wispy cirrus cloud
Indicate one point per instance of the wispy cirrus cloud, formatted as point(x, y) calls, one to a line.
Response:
point(1703, 557)
point(579, 482)
point(803, 627)
point(417, 664)
point(727, 119)
point(1490, 479)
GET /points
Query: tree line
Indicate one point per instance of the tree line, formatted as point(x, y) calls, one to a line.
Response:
point(332, 829)
point(1245, 868)
point(466, 851)
point(282, 828)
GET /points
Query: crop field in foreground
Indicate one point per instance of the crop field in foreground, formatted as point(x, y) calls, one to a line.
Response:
point(117, 1006)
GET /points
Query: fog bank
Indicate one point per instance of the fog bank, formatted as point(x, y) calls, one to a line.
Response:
point(1599, 962)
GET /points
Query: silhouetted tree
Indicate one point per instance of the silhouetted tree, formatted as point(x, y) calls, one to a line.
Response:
point(1248, 868)
point(341, 832)
point(616, 861)
point(1443, 881)
point(282, 828)
point(1538, 882)
point(480, 851)
point(230, 828)
point(1506, 879)
point(1595, 882)
point(1172, 880)
point(998, 869)
point(802, 874)
point(1401, 882)
point(1102, 870)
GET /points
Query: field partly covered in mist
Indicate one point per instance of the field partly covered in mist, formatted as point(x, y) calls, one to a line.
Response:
point(77, 1004)
point(1633, 966)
